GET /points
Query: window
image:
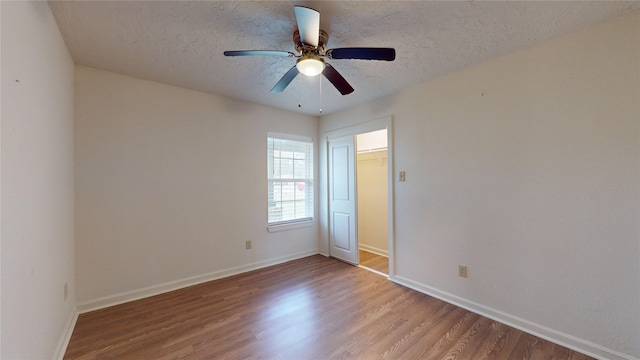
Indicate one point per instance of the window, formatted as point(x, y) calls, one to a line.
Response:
point(290, 179)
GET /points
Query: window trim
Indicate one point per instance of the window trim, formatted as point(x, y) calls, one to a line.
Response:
point(301, 222)
point(294, 224)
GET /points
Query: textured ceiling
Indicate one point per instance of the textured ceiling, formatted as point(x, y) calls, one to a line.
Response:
point(181, 42)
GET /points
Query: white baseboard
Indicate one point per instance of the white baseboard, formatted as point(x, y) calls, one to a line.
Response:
point(111, 300)
point(65, 336)
point(374, 250)
point(566, 340)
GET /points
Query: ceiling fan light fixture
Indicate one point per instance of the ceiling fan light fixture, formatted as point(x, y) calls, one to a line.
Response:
point(310, 66)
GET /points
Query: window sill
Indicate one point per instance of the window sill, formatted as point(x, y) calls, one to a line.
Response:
point(285, 227)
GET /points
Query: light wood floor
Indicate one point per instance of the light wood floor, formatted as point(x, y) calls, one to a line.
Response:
point(374, 261)
point(311, 308)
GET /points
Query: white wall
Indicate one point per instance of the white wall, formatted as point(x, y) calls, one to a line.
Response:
point(37, 184)
point(371, 141)
point(527, 170)
point(373, 215)
point(170, 183)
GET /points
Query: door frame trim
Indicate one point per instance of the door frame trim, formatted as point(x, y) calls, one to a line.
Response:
point(365, 127)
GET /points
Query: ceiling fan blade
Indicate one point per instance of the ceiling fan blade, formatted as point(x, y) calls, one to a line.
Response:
point(259, 53)
point(285, 80)
point(337, 80)
point(388, 54)
point(308, 21)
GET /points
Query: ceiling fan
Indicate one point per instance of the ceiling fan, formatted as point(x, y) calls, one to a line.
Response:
point(310, 42)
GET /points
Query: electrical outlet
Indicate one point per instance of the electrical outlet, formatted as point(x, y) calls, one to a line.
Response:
point(403, 176)
point(247, 244)
point(66, 290)
point(462, 271)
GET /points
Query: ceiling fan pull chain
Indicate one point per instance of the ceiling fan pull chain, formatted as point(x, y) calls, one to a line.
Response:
point(321, 95)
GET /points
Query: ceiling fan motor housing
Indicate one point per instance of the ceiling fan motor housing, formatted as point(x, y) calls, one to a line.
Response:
point(301, 47)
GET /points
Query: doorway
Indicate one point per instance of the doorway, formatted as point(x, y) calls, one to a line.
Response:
point(372, 198)
point(373, 235)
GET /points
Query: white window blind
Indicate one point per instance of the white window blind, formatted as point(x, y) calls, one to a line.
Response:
point(290, 178)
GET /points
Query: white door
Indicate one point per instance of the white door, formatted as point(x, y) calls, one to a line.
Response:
point(343, 243)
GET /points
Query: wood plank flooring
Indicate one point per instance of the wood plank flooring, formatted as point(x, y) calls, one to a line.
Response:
point(311, 308)
point(374, 261)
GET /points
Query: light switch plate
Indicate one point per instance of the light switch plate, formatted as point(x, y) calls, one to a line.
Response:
point(462, 271)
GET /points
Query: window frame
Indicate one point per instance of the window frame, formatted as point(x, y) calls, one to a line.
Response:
point(308, 179)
